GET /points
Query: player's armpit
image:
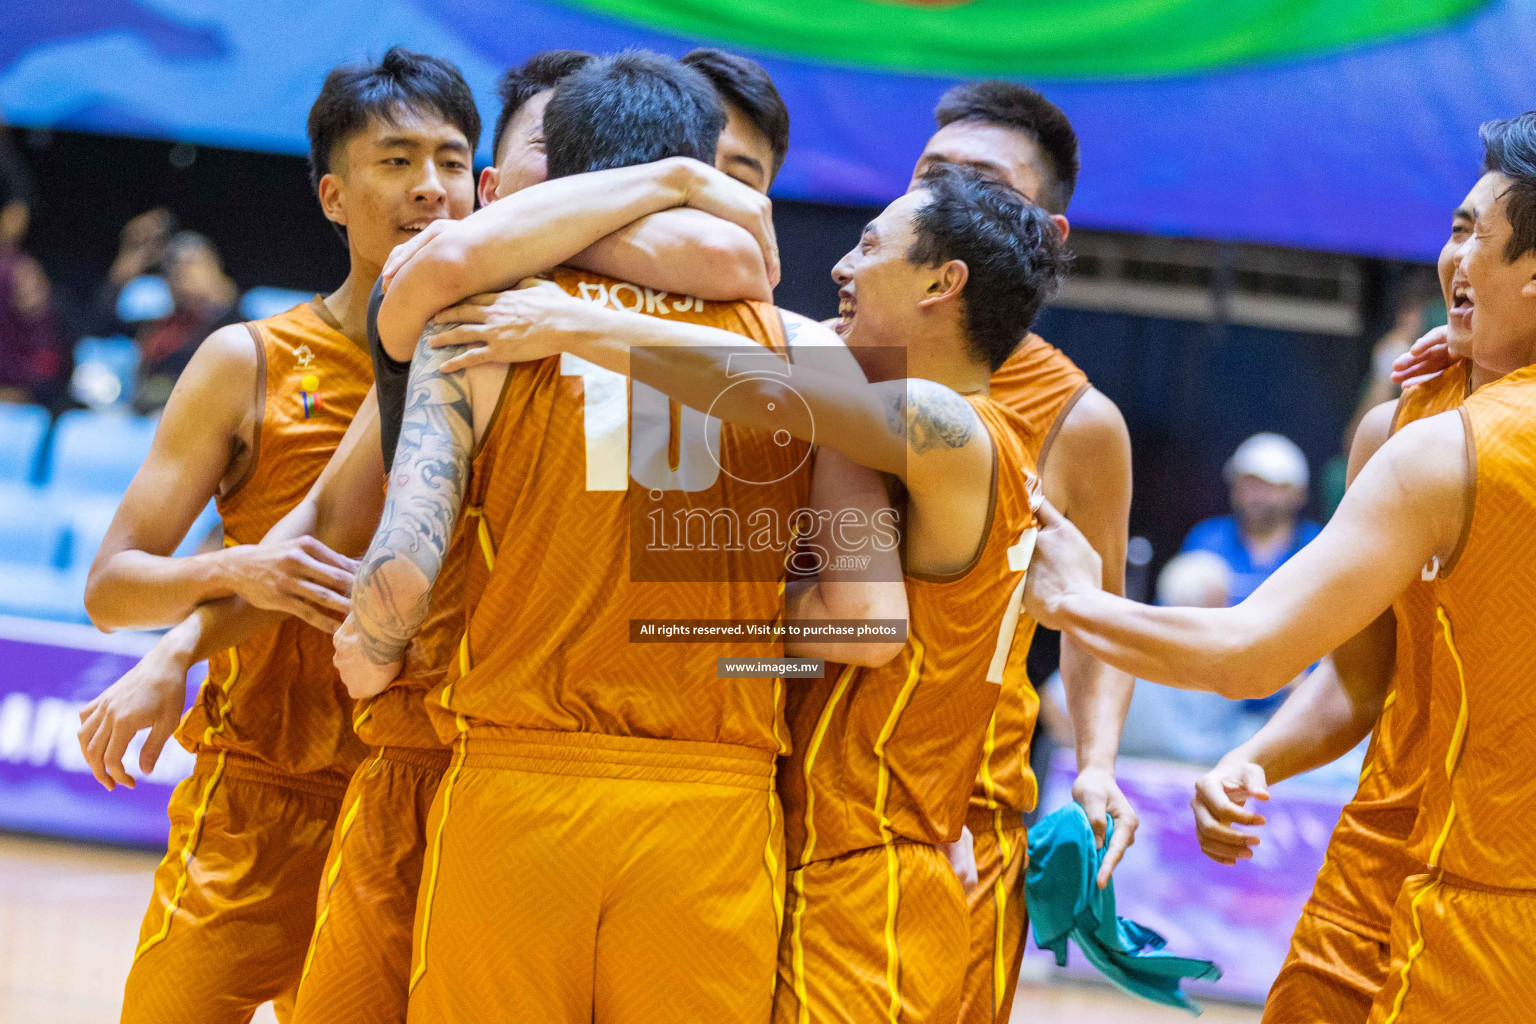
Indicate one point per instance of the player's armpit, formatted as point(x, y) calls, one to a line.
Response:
point(133, 583)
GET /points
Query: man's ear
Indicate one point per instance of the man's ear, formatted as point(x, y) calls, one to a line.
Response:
point(948, 284)
point(330, 190)
point(1060, 220)
point(490, 178)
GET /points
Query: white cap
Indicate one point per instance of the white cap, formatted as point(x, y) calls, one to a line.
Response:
point(1271, 458)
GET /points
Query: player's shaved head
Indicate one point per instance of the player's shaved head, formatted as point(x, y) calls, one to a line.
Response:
point(635, 107)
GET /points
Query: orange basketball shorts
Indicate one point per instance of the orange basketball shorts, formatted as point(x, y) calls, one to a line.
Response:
point(1462, 953)
point(581, 877)
point(234, 898)
point(877, 935)
point(998, 917)
point(360, 960)
point(1331, 974)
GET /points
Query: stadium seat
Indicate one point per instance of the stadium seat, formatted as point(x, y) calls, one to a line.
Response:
point(97, 452)
point(22, 430)
point(106, 370)
point(146, 297)
point(32, 528)
point(260, 303)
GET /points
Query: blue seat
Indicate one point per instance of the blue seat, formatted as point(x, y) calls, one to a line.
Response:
point(22, 429)
point(106, 370)
point(97, 452)
point(146, 297)
point(260, 303)
point(42, 592)
point(32, 528)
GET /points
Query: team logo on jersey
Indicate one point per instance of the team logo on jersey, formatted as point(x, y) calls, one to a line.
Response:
point(309, 393)
point(304, 357)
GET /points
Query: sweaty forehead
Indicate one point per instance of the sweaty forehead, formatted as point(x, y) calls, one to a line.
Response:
point(1006, 153)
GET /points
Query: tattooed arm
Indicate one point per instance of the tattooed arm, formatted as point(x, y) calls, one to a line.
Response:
point(426, 488)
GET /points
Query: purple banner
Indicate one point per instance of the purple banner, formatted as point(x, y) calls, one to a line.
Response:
point(1242, 916)
point(48, 671)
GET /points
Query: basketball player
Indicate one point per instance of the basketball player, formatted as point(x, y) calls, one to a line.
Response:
point(357, 967)
point(1450, 495)
point(1339, 952)
point(1083, 453)
point(253, 421)
point(624, 786)
point(949, 276)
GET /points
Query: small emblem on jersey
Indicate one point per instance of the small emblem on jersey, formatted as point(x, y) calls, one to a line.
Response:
point(304, 357)
point(309, 392)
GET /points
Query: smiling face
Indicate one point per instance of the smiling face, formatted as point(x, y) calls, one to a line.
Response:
point(391, 180)
point(1492, 300)
point(880, 292)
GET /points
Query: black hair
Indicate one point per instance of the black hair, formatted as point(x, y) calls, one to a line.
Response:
point(353, 94)
point(519, 85)
point(1011, 249)
point(1509, 148)
point(635, 107)
point(1010, 105)
point(746, 84)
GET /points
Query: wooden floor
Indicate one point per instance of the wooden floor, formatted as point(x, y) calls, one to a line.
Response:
point(69, 917)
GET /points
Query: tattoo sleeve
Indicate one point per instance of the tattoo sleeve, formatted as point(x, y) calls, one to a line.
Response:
point(426, 490)
point(936, 417)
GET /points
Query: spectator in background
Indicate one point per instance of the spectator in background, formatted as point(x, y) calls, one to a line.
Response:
point(141, 250)
point(1268, 478)
point(203, 300)
point(31, 343)
point(1184, 725)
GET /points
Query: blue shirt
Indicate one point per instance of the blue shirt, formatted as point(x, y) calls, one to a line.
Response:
point(1220, 534)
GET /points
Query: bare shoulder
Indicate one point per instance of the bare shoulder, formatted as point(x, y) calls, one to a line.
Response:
point(1093, 420)
point(1374, 429)
point(221, 375)
point(802, 331)
point(1429, 455)
point(936, 418)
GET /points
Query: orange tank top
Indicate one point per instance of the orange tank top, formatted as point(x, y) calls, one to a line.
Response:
point(1368, 857)
point(890, 754)
point(605, 504)
point(1041, 385)
point(1477, 819)
point(277, 696)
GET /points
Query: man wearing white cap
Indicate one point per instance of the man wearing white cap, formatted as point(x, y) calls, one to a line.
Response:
point(1268, 476)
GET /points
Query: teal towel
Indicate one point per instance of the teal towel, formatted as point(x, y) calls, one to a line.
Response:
point(1065, 902)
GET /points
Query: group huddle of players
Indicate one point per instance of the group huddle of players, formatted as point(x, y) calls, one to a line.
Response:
point(509, 810)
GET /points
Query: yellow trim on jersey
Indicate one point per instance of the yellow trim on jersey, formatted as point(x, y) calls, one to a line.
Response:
point(892, 951)
point(344, 830)
point(1458, 734)
point(199, 818)
point(1413, 950)
point(461, 748)
point(1000, 902)
point(367, 713)
point(796, 940)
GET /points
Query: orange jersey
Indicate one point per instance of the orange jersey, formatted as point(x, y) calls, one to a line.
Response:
point(579, 551)
point(277, 697)
point(892, 752)
point(1041, 385)
point(1368, 856)
point(1477, 820)
point(398, 717)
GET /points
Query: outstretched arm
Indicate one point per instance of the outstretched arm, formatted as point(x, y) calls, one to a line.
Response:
point(1406, 508)
point(557, 221)
point(426, 490)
